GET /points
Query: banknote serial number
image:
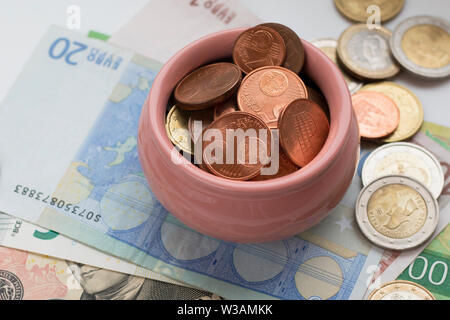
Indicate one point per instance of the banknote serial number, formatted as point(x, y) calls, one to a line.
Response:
point(57, 203)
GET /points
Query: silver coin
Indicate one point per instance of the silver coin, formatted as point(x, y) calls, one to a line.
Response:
point(365, 52)
point(422, 46)
point(396, 212)
point(329, 47)
point(408, 159)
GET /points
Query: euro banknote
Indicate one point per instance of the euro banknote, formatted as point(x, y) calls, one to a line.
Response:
point(28, 276)
point(22, 235)
point(162, 28)
point(74, 169)
point(19, 234)
point(430, 268)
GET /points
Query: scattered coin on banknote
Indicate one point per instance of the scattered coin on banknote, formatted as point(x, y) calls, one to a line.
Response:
point(401, 290)
point(377, 114)
point(365, 53)
point(409, 106)
point(258, 47)
point(396, 212)
point(421, 45)
point(329, 47)
point(295, 53)
point(358, 10)
point(408, 159)
point(207, 86)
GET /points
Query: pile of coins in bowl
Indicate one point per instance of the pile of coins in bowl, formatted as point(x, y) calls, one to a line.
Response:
point(254, 118)
point(397, 208)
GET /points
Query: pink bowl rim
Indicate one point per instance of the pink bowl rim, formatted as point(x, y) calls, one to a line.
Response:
point(339, 125)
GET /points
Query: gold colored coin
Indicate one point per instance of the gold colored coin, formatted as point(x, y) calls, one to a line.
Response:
point(427, 46)
point(401, 290)
point(177, 128)
point(411, 111)
point(397, 211)
point(356, 10)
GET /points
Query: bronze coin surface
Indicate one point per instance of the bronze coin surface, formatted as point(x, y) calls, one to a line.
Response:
point(285, 167)
point(295, 53)
point(233, 146)
point(258, 47)
point(318, 97)
point(207, 86)
point(303, 129)
point(225, 108)
point(266, 91)
point(377, 114)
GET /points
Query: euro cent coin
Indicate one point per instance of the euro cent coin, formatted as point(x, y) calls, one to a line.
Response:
point(285, 167)
point(317, 97)
point(207, 86)
point(329, 47)
point(401, 290)
point(303, 129)
point(361, 10)
point(396, 212)
point(366, 53)
point(199, 120)
point(236, 146)
point(226, 107)
point(295, 53)
point(421, 45)
point(177, 129)
point(377, 114)
point(266, 91)
point(408, 159)
point(409, 106)
point(258, 47)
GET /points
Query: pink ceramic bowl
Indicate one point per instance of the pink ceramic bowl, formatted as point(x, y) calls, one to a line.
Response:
point(248, 211)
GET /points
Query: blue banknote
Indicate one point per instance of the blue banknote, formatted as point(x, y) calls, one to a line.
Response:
point(100, 197)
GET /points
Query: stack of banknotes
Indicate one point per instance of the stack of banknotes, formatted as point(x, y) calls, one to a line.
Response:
point(79, 221)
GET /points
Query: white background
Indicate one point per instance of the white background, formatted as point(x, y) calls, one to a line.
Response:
point(23, 22)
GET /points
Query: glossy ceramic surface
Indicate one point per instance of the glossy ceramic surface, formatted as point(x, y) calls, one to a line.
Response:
point(248, 211)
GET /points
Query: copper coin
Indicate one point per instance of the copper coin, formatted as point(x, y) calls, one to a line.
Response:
point(295, 53)
point(377, 114)
point(318, 98)
point(285, 167)
point(303, 130)
point(205, 117)
point(207, 86)
point(266, 91)
point(226, 107)
point(259, 47)
point(228, 155)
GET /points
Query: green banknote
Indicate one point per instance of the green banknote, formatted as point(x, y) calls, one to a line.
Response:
point(430, 269)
